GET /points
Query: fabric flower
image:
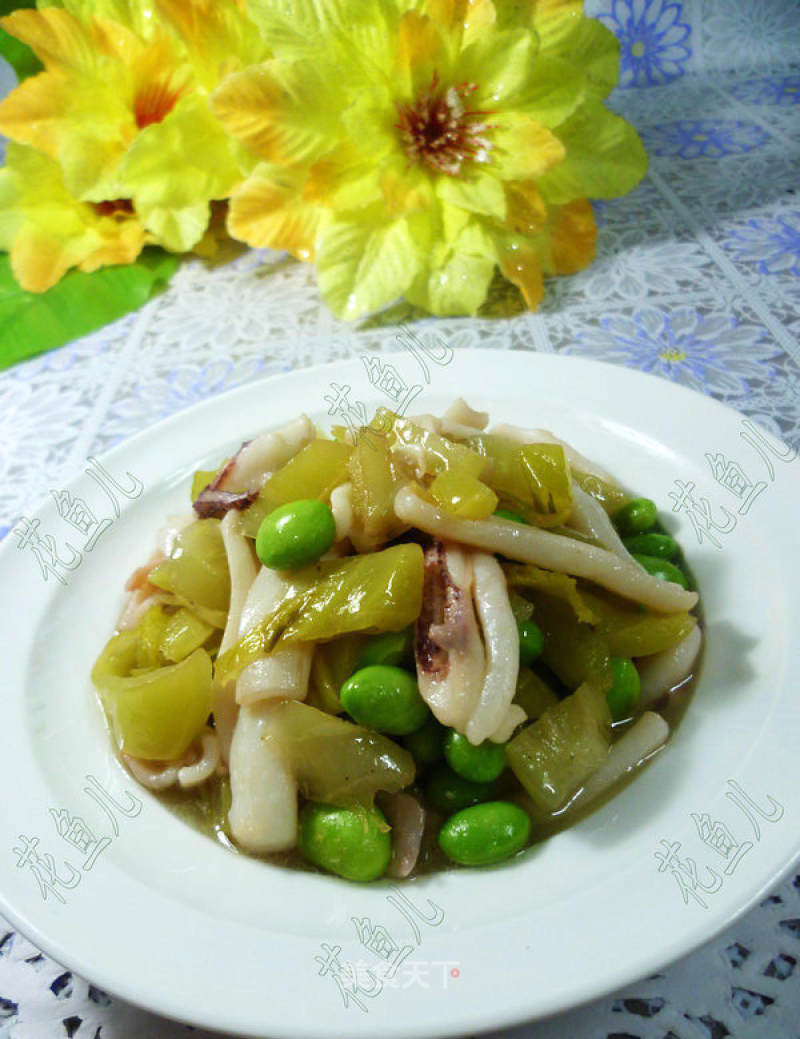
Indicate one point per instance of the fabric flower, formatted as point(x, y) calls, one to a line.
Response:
point(409, 149)
point(47, 230)
point(122, 105)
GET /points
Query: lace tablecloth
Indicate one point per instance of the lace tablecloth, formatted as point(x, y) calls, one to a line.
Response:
point(697, 280)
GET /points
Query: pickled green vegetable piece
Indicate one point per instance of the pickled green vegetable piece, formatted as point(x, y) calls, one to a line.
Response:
point(332, 664)
point(154, 714)
point(628, 631)
point(485, 833)
point(312, 473)
point(201, 479)
point(395, 647)
point(184, 632)
point(550, 482)
point(448, 792)
point(562, 586)
point(611, 497)
point(575, 652)
point(533, 694)
point(381, 591)
point(504, 473)
point(337, 762)
point(553, 756)
point(463, 495)
point(352, 843)
point(197, 569)
point(386, 699)
point(150, 632)
point(434, 454)
point(521, 607)
point(373, 488)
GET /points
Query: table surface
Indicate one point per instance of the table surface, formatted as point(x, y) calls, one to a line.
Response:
point(697, 280)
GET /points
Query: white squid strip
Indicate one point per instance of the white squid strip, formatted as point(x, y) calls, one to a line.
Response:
point(662, 672)
point(451, 682)
point(263, 815)
point(501, 639)
point(551, 551)
point(342, 509)
point(643, 738)
point(589, 517)
point(406, 816)
point(284, 673)
point(268, 452)
point(206, 765)
point(515, 715)
point(151, 775)
point(242, 568)
point(460, 413)
point(544, 436)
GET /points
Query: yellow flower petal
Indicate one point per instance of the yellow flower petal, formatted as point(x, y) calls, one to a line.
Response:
point(56, 37)
point(526, 210)
point(269, 211)
point(219, 37)
point(524, 149)
point(282, 112)
point(521, 264)
point(422, 56)
point(48, 231)
point(572, 243)
point(173, 170)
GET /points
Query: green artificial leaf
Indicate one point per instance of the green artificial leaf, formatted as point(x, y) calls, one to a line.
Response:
point(605, 157)
point(31, 322)
point(18, 54)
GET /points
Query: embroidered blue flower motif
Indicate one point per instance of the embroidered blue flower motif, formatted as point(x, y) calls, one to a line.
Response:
point(769, 90)
point(653, 40)
point(772, 244)
point(3, 531)
point(703, 138)
point(711, 353)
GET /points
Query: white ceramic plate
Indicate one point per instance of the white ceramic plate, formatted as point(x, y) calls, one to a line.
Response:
point(163, 917)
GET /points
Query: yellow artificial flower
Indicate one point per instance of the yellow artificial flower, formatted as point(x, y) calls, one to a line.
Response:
point(122, 104)
point(410, 148)
point(47, 230)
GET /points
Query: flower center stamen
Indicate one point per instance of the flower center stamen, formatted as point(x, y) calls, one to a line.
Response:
point(439, 130)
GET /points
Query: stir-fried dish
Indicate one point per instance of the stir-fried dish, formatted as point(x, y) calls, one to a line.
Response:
point(389, 650)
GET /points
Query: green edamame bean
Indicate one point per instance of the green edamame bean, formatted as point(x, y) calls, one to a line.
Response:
point(394, 647)
point(426, 743)
point(479, 764)
point(448, 792)
point(509, 514)
point(660, 546)
point(485, 834)
point(354, 843)
point(662, 569)
point(531, 642)
point(295, 534)
point(637, 517)
point(385, 699)
point(625, 689)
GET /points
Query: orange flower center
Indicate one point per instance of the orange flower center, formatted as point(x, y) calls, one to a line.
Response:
point(440, 130)
point(153, 103)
